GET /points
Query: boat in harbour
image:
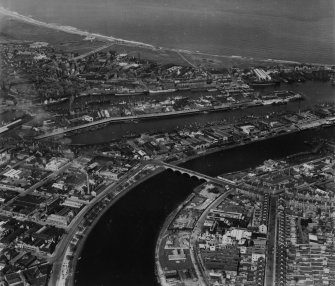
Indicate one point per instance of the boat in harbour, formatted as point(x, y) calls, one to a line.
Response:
point(157, 91)
point(127, 92)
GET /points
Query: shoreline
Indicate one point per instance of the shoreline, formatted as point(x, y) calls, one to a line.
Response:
point(106, 205)
point(119, 41)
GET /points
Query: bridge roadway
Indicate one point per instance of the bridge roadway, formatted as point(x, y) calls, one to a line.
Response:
point(192, 173)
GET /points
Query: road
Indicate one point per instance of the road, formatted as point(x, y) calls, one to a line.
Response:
point(7, 127)
point(37, 185)
point(195, 234)
point(185, 59)
point(92, 52)
point(57, 258)
point(270, 274)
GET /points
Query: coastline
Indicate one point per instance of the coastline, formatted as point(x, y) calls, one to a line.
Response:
point(125, 42)
point(96, 214)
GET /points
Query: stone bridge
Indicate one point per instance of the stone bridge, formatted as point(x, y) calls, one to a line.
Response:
point(194, 174)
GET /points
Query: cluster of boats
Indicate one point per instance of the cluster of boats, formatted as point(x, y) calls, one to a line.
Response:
point(126, 91)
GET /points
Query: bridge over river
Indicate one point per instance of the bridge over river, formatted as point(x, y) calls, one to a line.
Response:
point(191, 173)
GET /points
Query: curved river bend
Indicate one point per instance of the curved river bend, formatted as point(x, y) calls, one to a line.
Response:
point(120, 249)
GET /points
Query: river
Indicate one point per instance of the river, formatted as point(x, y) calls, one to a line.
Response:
point(314, 92)
point(120, 249)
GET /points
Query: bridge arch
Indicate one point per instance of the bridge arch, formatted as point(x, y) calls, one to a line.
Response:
point(193, 174)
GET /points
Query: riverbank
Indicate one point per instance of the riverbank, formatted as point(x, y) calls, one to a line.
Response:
point(172, 215)
point(161, 256)
point(225, 148)
point(160, 196)
point(162, 231)
point(134, 118)
point(178, 162)
point(160, 115)
point(192, 241)
point(81, 242)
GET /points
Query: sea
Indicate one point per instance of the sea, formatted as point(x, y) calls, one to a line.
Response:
point(299, 30)
point(120, 249)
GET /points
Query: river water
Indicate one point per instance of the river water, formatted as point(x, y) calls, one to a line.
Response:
point(299, 30)
point(314, 92)
point(120, 249)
